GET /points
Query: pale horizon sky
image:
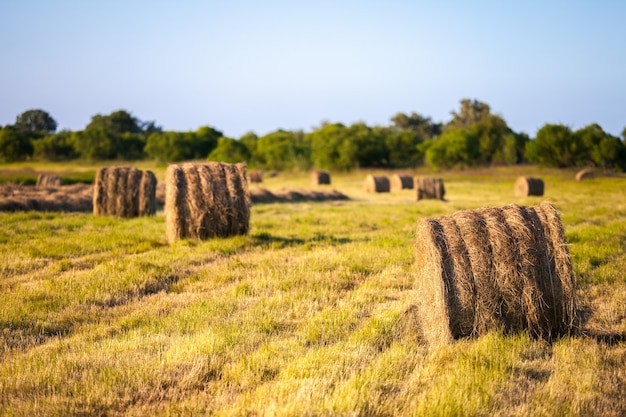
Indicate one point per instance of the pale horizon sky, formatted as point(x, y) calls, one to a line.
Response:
point(244, 66)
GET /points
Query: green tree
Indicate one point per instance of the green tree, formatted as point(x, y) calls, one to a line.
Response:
point(326, 151)
point(403, 148)
point(55, 147)
point(418, 124)
point(456, 148)
point(555, 145)
point(203, 142)
point(276, 150)
point(369, 144)
point(229, 150)
point(471, 111)
point(167, 146)
point(95, 143)
point(117, 123)
point(15, 145)
point(36, 122)
point(250, 140)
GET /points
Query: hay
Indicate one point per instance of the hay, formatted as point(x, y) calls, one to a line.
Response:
point(65, 198)
point(527, 186)
point(48, 180)
point(401, 182)
point(319, 178)
point(262, 195)
point(124, 192)
point(255, 176)
point(430, 188)
point(376, 184)
point(206, 200)
point(502, 268)
point(585, 174)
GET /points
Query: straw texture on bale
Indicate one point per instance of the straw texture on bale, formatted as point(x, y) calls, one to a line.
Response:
point(124, 192)
point(401, 182)
point(48, 180)
point(376, 184)
point(255, 176)
point(584, 174)
point(505, 268)
point(527, 186)
point(206, 200)
point(319, 178)
point(429, 188)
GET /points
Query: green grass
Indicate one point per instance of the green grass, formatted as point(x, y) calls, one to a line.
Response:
point(312, 313)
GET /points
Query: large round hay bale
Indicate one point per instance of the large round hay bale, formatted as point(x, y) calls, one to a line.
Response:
point(124, 192)
point(206, 200)
point(504, 268)
point(401, 182)
point(528, 186)
point(429, 188)
point(255, 176)
point(585, 174)
point(48, 180)
point(319, 178)
point(376, 184)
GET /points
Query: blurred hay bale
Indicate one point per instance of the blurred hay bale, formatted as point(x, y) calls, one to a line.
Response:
point(585, 174)
point(429, 188)
point(48, 180)
point(400, 182)
point(319, 178)
point(255, 176)
point(206, 200)
point(527, 186)
point(505, 268)
point(124, 192)
point(376, 184)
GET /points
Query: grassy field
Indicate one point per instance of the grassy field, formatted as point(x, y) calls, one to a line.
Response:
point(312, 313)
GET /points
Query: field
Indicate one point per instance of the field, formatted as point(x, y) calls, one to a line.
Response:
point(313, 313)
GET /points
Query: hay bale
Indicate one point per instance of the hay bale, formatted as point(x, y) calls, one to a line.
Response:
point(124, 192)
point(430, 188)
point(206, 200)
point(527, 186)
point(376, 184)
point(319, 178)
point(255, 176)
point(504, 268)
point(401, 182)
point(48, 180)
point(585, 174)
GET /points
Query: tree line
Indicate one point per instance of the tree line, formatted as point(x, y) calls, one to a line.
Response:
point(474, 136)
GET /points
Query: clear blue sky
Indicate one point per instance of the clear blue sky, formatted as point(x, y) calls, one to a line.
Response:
point(242, 65)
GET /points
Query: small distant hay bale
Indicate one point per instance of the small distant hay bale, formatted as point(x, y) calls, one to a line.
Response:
point(504, 268)
point(528, 186)
point(401, 182)
point(206, 200)
point(124, 192)
point(430, 188)
point(585, 174)
point(48, 180)
point(319, 178)
point(255, 176)
point(376, 184)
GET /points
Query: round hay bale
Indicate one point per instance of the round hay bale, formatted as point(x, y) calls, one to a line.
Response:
point(48, 180)
point(376, 184)
point(319, 178)
point(528, 186)
point(255, 176)
point(206, 200)
point(502, 268)
point(124, 192)
point(430, 188)
point(401, 182)
point(585, 174)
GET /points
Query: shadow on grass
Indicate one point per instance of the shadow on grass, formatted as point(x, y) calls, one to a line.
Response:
point(267, 239)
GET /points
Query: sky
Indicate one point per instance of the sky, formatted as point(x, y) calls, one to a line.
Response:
point(242, 65)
